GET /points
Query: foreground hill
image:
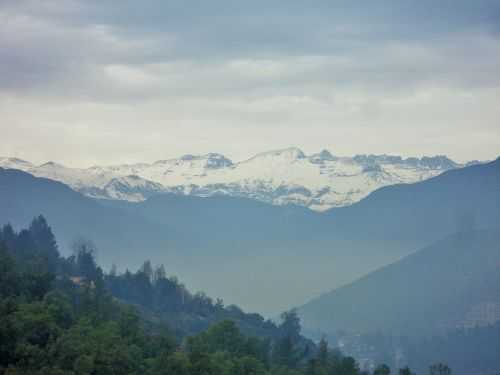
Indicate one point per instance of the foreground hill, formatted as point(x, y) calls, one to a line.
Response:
point(440, 287)
point(62, 316)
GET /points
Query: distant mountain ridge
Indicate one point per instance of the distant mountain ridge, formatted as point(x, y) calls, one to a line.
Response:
point(453, 283)
point(319, 181)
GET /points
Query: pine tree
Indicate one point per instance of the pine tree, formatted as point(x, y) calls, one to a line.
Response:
point(113, 272)
point(405, 371)
point(439, 369)
point(44, 241)
point(382, 370)
point(86, 266)
point(290, 325)
point(159, 273)
point(323, 352)
point(147, 269)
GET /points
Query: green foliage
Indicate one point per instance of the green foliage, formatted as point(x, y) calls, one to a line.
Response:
point(439, 369)
point(382, 370)
point(171, 363)
point(287, 350)
point(10, 281)
point(223, 337)
point(405, 371)
point(166, 299)
point(45, 242)
point(290, 325)
point(323, 352)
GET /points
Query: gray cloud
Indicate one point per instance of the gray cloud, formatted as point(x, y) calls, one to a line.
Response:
point(309, 74)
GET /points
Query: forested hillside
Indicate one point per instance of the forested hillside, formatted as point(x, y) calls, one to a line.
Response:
point(59, 317)
point(166, 300)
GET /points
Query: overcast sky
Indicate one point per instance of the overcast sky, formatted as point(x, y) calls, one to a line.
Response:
point(102, 82)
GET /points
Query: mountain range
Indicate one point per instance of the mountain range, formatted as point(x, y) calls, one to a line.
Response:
point(262, 249)
point(319, 181)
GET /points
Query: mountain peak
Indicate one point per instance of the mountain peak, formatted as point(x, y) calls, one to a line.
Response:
point(319, 181)
point(215, 161)
point(323, 155)
point(438, 162)
point(16, 163)
point(51, 164)
point(212, 160)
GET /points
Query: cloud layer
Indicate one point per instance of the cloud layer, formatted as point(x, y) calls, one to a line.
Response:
point(114, 81)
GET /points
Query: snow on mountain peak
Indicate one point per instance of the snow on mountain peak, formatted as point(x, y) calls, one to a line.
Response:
point(210, 160)
point(319, 181)
point(15, 163)
point(51, 164)
point(291, 153)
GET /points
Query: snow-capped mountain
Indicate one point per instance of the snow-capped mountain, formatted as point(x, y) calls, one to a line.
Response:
point(319, 181)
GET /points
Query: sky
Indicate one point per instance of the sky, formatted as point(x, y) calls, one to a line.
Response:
point(86, 82)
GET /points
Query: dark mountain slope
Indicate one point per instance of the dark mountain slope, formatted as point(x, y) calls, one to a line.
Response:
point(431, 290)
point(223, 218)
point(426, 211)
point(121, 234)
